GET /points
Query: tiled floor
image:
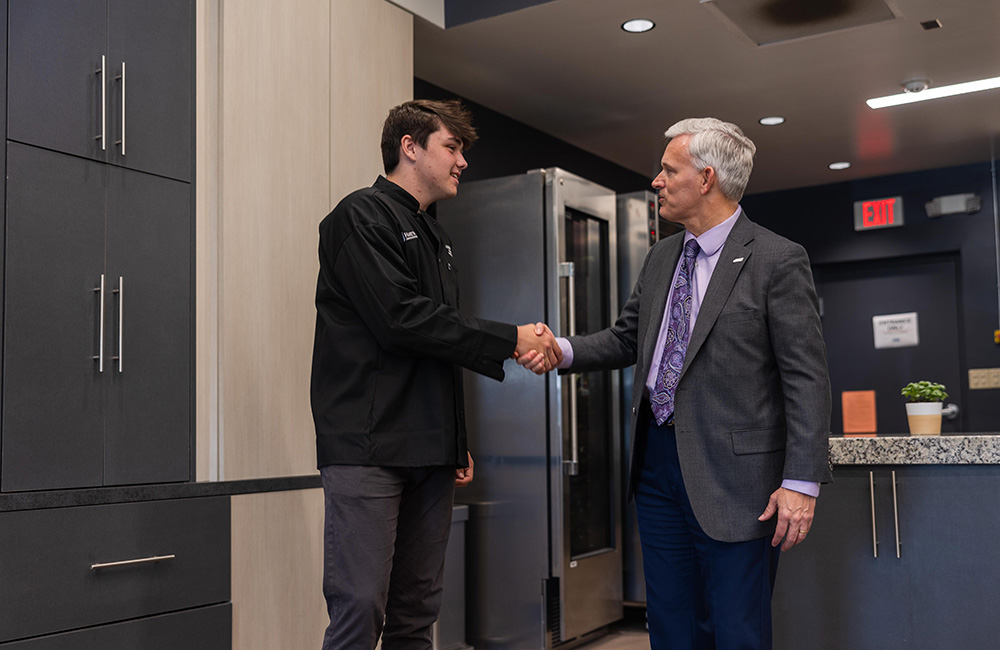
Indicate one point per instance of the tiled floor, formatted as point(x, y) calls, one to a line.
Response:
point(620, 639)
point(628, 634)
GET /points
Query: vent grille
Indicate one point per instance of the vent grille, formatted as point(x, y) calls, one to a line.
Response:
point(553, 613)
point(766, 22)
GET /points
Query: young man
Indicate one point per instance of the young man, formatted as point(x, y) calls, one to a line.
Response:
point(387, 383)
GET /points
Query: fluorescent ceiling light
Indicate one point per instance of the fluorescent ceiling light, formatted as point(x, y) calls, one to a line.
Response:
point(638, 25)
point(935, 93)
point(837, 166)
point(774, 120)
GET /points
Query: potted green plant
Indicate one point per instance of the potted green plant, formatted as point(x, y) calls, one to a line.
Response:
point(923, 408)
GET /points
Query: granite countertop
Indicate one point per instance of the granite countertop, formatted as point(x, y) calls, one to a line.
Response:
point(948, 449)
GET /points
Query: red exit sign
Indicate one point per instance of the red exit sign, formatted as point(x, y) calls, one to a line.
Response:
point(878, 213)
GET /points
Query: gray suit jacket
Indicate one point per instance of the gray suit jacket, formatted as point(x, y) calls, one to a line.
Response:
point(752, 405)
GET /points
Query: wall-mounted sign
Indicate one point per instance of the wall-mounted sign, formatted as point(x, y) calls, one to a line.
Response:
point(878, 213)
point(896, 330)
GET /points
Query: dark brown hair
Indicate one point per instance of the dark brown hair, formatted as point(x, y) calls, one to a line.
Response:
point(419, 119)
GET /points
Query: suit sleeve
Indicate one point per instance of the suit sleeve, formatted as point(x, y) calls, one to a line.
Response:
point(616, 346)
point(797, 341)
point(371, 269)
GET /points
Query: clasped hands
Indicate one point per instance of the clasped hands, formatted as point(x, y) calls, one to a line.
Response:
point(537, 349)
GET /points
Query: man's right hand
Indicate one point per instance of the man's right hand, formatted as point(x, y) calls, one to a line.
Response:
point(537, 349)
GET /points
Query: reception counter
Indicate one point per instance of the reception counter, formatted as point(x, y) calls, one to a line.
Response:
point(952, 449)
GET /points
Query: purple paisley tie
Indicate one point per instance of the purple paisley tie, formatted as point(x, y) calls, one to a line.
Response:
point(678, 334)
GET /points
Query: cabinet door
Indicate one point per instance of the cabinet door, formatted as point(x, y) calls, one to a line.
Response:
point(152, 128)
point(831, 592)
point(54, 81)
point(207, 628)
point(148, 435)
point(52, 407)
point(950, 551)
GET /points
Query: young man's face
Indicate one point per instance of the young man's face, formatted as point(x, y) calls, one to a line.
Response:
point(440, 164)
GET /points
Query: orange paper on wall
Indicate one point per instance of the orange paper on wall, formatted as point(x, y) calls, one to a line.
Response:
point(859, 412)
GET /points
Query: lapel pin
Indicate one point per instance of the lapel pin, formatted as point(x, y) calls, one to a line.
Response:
point(738, 259)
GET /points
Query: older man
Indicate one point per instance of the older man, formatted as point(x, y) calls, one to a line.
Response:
point(732, 426)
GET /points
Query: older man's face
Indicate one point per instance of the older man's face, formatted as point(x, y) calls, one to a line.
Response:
point(679, 185)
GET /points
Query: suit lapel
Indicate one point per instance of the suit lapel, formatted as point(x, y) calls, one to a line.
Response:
point(735, 253)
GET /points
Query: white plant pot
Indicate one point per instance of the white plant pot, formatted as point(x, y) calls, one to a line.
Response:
point(924, 418)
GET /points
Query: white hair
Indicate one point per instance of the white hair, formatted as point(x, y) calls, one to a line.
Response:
point(721, 146)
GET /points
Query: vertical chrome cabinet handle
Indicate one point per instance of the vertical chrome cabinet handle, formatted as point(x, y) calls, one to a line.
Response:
point(871, 490)
point(100, 352)
point(104, 105)
point(571, 467)
point(120, 291)
point(895, 512)
point(122, 77)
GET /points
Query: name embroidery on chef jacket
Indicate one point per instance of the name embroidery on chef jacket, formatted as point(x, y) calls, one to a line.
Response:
point(407, 236)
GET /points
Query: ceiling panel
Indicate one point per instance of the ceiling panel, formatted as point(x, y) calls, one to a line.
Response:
point(566, 68)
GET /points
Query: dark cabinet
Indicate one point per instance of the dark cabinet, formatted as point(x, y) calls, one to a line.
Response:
point(110, 80)
point(71, 568)
point(898, 557)
point(97, 338)
point(207, 628)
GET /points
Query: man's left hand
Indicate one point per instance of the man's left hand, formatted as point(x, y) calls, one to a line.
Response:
point(464, 476)
point(795, 516)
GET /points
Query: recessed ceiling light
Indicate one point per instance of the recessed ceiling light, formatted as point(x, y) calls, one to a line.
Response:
point(837, 166)
point(935, 93)
point(773, 120)
point(638, 25)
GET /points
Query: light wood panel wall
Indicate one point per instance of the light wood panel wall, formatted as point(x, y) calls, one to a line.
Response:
point(290, 101)
point(300, 89)
point(277, 581)
point(206, 238)
point(372, 71)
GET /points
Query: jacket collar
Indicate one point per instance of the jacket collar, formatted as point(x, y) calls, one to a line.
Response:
point(397, 193)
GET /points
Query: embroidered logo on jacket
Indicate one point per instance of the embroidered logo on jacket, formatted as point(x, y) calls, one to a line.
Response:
point(407, 236)
point(448, 248)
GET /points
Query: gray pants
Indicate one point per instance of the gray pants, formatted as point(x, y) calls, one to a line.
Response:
point(384, 544)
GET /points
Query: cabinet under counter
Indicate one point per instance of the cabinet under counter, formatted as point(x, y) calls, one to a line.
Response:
point(71, 568)
point(900, 556)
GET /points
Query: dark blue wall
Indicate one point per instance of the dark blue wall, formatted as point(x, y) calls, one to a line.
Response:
point(507, 147)
point(822, 220)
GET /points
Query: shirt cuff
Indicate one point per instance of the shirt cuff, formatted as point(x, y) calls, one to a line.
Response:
point(805, 487)
point(567, 352)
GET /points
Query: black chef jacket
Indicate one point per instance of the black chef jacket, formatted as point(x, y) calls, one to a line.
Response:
point(386, 377)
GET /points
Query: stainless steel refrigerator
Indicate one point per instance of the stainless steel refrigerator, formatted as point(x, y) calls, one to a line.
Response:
point(639, 227)
point(543, 553)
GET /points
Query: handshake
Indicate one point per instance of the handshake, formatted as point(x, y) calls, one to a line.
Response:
point(537, 349)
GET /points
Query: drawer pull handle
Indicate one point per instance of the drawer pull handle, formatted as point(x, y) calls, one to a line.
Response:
point(871, 489)
point(120, 292)
point(895, 512)
point(104, 104)
point(142, 560)
point(100, 352)
point(122, 77)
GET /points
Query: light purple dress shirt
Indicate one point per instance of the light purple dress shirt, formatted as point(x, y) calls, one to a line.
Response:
point(710, 242)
